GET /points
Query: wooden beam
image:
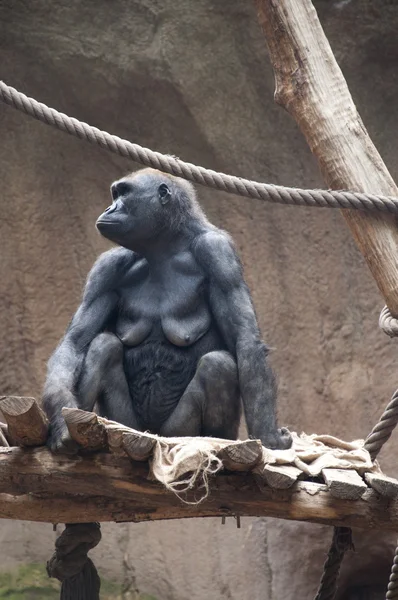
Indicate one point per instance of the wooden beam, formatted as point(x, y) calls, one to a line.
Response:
point(85, 428)
point(280, 477)
point(344, 483)
point(36, 485)
point(385, 486)
point(3, 435)
point(241, 456)
point(311, 87)
point(27, 423)
point(93, 432)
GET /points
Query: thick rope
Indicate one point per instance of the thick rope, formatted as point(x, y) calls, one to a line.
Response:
point(207, 177)
point(380, 434)
point(382, 431)
point(71, 565)
point(392, 589)
point(388, 323)
point(342, 541)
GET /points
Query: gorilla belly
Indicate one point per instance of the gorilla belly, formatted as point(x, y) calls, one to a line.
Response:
point(157, 375)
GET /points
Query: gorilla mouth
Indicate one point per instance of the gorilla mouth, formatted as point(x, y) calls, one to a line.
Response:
point(106, 223)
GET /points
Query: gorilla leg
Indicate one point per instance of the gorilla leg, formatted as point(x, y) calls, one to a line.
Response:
point(103, 381)
point(210, 406)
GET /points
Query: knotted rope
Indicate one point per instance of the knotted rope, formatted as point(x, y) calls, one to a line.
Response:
point(170, 164)
point(71, 565)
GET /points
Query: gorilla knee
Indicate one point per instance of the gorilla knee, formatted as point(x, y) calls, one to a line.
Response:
point(105, 346)
point(218, 365)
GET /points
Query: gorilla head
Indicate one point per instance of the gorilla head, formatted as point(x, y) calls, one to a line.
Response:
point(149, 205)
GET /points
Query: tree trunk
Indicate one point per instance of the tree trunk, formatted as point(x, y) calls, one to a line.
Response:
point(311, 87)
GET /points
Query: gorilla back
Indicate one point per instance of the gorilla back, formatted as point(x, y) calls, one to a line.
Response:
point(166, 337)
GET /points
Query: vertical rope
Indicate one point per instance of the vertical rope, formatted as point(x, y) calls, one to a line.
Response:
point(382, 431)
point(342, 541)
point(392, 589)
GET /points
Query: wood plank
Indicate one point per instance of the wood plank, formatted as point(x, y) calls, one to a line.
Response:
point(280, 477)
point(385, 486)
point(305, 73)
point(37, 485)
point(3, 435)
point(344, 483)
point(241, 456)
point(27, 423)
point(138, 447)
point(85, 428)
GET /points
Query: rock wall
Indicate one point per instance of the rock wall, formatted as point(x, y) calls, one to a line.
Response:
point(193, 79)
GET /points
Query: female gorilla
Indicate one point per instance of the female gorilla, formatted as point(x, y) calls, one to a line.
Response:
point(166, 338)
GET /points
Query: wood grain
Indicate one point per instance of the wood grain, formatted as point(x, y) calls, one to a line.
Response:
point(27, 423)
point(36, 485)
point(312, 88)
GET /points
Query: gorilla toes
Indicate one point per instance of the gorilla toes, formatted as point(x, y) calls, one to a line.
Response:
point(280, 440)
point(60, 442)
point(285, 439)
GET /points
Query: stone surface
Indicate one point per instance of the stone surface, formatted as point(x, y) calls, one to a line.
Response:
point(193, 79)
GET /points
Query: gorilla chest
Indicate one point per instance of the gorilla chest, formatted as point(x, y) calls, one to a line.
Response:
point(170, 300)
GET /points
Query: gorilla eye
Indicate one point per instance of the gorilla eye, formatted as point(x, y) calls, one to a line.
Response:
point(164, 193)
point(121, 188)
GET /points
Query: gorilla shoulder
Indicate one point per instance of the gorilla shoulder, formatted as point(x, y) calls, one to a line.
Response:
point(108, 268)
point(216, 252)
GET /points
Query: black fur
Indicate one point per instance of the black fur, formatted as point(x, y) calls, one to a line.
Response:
point(166, 336)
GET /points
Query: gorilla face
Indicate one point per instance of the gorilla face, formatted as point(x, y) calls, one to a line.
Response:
point(137, 214)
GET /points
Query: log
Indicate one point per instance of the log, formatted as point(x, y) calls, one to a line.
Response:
point(311, 87)
point(241, 456)
point(138, 447)
point(27, 423)
point(36, 485)
point(85, 428)
point(280, 477)
point(93, 432)
point(383, 485)
point(3, 435)
point(345, 484)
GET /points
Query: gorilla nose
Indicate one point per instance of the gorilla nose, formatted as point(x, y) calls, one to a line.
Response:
point(110, 209)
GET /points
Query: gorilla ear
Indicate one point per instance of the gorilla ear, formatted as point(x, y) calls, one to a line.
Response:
point(164, 193)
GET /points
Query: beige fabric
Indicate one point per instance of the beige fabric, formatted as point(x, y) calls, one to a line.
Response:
point(182, 464)
point(312, 453)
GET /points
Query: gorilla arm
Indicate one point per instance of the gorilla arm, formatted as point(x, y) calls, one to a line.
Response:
point(233, 310)
point(65, 365)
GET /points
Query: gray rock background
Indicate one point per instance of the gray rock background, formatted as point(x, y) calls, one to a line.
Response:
point(193, 79)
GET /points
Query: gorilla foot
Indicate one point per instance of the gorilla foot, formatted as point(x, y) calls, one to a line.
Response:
point(279, 440)
point(60, 442)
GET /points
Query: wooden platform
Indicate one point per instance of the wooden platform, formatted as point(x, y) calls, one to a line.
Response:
point(109, 480)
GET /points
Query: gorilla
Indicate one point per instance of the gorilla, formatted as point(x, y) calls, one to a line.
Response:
point(166, 337)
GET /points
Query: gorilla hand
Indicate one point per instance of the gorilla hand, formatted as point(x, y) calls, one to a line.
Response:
point(59, 440)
